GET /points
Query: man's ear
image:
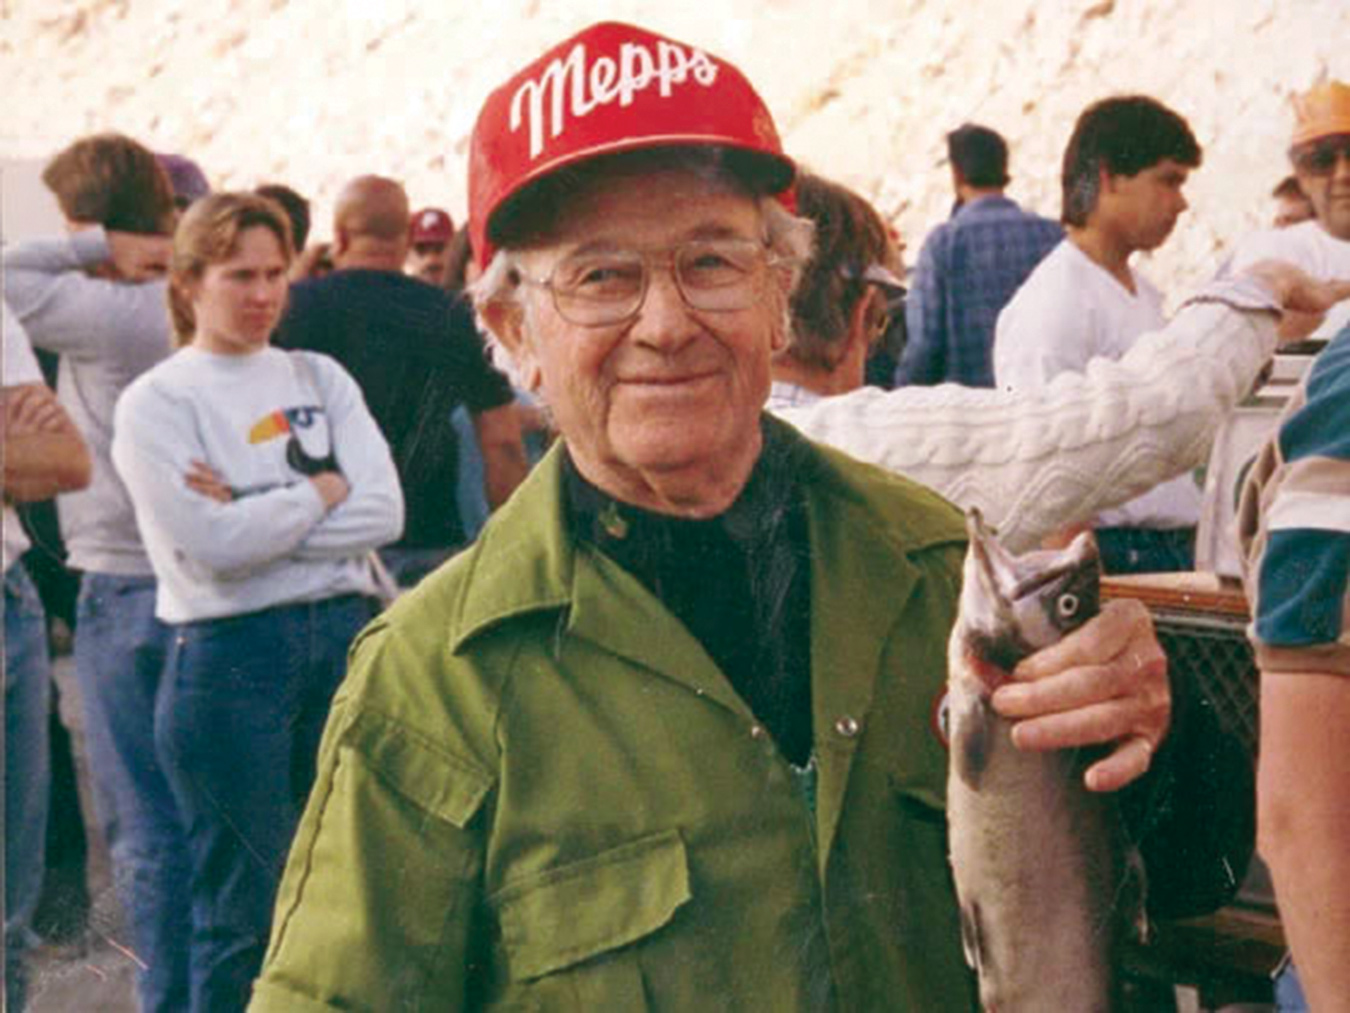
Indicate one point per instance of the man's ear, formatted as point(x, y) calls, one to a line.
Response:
point(862, 327)
point(342, 242)
point(506, 321)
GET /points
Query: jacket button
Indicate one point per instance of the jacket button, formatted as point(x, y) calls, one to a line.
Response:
point(846, 726)
point(757, 732)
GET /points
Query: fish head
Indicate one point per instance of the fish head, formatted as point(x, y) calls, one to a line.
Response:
point(1012, 606)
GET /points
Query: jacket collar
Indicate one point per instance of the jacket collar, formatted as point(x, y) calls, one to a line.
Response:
point(525, 562)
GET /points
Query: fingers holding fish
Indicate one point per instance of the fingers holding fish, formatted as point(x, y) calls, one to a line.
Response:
point(1104, 683)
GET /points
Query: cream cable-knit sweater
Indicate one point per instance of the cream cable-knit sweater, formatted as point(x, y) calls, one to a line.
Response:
point(1037, 461)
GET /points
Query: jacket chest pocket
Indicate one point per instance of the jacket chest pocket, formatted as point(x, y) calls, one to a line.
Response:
point(568, 934)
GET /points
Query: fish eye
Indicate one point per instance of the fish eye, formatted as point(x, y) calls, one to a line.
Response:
point(1067, 605)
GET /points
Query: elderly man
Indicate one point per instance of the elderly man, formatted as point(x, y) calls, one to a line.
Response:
point(663, 735)
point(1319, 150)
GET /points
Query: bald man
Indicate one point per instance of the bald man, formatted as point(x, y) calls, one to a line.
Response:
point(417, 356)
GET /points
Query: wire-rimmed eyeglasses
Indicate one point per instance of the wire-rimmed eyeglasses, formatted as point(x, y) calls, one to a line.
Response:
point(602, 287)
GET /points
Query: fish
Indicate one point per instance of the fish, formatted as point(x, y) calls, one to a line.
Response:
point(1045, 879)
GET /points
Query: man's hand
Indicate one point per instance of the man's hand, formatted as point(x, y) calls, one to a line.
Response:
point(31, 408)
point(314, 261)
point(138, 257)
point(1104, 683)
point(1304, 299)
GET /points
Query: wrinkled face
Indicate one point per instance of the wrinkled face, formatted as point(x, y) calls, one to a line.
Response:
point(429, 261)
point(672, 390)
point(238, 301)
point(1323, 171)
point(1144, 208)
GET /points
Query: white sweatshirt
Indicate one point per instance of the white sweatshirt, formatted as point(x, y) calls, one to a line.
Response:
point(107, 333)
point(263, 422)
point(1039, 460)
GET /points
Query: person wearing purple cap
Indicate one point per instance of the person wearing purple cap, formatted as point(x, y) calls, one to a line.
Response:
point(186, 177)
point(662, 737)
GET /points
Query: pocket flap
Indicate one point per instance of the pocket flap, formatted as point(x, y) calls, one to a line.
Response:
point(570, 914)
point(444, 785)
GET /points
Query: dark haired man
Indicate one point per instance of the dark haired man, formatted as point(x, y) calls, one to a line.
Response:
point(97, 297)
point(1320, 153)
point(970, 267)
point(1124, 168)
point(296, 208)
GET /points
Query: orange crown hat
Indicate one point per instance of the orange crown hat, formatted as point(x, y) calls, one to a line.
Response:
point(610, 88)
point(1321, 111)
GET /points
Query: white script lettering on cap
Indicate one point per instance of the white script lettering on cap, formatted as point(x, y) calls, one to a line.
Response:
point(605, 80)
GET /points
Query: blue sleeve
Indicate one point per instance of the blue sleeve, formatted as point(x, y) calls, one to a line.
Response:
point(1304, 572)
point(923, 361)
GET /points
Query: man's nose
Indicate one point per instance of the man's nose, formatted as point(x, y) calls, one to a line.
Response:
point(1341, 170)
point(663, 320)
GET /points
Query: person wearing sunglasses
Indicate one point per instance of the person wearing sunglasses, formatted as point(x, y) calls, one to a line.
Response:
point(1320, 153)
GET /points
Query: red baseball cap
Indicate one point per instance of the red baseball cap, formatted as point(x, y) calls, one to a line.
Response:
point(431, 225)
point(612, 87)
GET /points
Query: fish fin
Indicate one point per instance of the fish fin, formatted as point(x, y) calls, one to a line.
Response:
point(973, 729)
point(1134, 896)
point(970, 935)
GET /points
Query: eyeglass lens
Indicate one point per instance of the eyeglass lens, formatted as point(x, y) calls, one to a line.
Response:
point(599, 287)
point(1321, 158)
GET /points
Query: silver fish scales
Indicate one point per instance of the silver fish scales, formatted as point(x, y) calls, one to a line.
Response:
point(1043, 877)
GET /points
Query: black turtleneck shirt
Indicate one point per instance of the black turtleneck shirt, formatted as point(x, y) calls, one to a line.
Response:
point(740, 582)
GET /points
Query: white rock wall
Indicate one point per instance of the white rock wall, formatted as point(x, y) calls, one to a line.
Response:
point(312, 92)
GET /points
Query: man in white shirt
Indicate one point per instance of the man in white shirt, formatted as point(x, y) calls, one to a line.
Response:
point(1123, 173)
point(1320, 153)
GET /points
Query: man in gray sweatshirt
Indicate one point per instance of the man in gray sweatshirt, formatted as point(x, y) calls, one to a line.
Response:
point(97, 297)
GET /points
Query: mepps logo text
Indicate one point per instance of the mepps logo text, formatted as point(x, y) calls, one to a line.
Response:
point(571, 87)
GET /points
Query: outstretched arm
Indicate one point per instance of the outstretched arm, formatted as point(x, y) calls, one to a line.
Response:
point(1037, 461)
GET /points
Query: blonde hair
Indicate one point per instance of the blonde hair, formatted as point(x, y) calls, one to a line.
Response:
point(209, 234)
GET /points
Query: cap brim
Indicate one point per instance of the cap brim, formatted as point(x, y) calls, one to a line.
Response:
point(776, 171)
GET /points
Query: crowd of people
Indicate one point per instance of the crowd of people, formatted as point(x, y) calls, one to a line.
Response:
point(552, 612)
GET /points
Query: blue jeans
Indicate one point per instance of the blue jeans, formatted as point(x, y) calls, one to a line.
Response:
point(120, 651)
point(409, 566)
point(27, 769)
point(237, 726)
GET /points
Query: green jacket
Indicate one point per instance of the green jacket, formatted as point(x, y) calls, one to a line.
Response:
point(536, 790)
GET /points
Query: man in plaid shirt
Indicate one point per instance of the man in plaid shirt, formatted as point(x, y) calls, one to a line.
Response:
point(970, 267)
